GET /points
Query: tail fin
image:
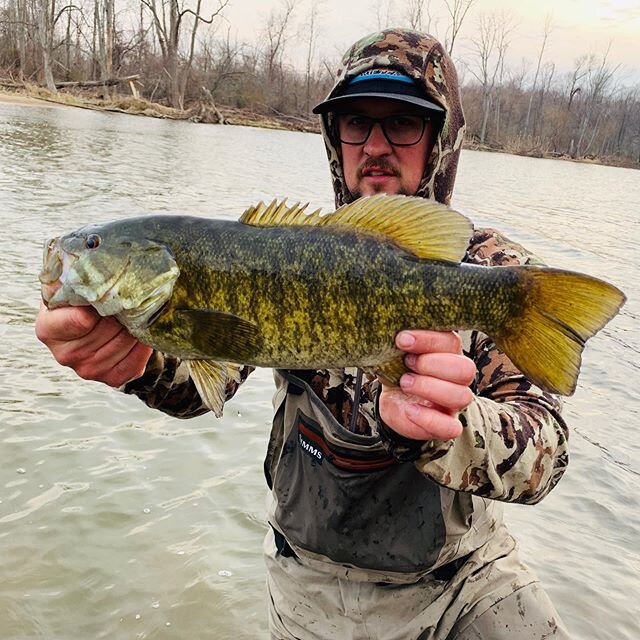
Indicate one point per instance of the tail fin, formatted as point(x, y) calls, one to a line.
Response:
point(562, 310)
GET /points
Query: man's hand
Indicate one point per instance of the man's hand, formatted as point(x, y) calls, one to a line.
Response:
point(426, 405)
point(96, 348)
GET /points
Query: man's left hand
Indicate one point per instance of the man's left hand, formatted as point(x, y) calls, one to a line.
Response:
point(435, 389)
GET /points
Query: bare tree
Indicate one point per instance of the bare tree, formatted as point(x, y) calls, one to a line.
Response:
point(384, 9)
point(498, 100)
point(47, 15)
point(276, 32)
point(634, 129)
point(489, 48)
point(220, 62)
point(169, 19)
point(105, 31)
point(312, 26)
point(458, 10)
point(547, 74)
point(418, 14)
point(578, 73)
point(599, 77)
point(21, 14)
point(629, 102)
point(547, 31)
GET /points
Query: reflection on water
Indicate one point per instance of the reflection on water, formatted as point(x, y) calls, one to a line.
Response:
point(119, 522)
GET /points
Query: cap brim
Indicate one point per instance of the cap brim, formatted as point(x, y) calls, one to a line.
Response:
point(332, 103)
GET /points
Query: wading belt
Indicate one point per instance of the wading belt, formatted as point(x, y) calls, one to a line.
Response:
point(443, 573)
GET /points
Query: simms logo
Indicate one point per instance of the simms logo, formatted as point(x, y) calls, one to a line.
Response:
point(310, 448)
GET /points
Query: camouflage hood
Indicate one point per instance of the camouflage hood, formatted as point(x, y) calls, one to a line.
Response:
point(424, 59)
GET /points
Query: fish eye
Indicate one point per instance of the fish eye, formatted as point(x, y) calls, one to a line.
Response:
point(92, 241)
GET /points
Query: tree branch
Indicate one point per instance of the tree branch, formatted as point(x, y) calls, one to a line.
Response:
point(197, 16)
point(59, 15)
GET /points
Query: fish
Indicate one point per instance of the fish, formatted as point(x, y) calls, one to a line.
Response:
point(286, 288)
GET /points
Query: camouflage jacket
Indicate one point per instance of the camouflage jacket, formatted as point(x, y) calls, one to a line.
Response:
point(514, 442)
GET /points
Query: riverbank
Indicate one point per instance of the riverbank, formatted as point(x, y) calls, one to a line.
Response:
point(210, 113)
point(23, 100)
point(205, 112)
point(622, 163)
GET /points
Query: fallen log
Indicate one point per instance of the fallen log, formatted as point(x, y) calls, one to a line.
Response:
point(108, 82)
point(11, 85)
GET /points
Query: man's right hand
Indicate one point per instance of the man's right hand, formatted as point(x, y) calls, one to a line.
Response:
point(96, 348)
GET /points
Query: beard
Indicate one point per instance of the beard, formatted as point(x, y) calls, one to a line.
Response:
point(380, 164)
point(356, 193)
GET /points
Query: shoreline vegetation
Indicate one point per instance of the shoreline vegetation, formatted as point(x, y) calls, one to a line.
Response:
point(207, 112)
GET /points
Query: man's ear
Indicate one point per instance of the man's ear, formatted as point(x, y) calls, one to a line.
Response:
point(433, 130)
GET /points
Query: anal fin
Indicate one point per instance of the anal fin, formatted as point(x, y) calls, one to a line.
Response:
point(210, 378)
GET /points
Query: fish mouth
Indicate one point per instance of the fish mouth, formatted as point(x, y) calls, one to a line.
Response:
point(48, 291)
point(55, 267)
point(52, 268)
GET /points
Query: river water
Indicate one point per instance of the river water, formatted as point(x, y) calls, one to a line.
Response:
point(119, 522)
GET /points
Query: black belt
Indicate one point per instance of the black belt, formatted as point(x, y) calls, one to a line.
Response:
point(447, 571)
point(283, 547)
point(443, 573)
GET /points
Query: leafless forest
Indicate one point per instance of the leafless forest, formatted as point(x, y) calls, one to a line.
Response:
point(182, 53)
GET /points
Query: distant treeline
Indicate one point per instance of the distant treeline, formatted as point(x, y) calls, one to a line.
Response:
point(182, 54)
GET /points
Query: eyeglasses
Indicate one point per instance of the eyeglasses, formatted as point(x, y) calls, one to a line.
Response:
point(399, 130)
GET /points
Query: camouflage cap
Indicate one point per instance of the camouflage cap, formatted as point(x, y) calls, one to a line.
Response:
point(422, 58)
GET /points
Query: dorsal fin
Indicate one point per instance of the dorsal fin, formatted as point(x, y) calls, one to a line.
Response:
point(278, 214)
point(424, 227)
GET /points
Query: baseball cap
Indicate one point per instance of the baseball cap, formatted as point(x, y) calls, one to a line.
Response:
point(381, 83)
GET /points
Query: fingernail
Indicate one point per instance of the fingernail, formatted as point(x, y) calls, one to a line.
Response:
point(405, 339)
point(411, 360)
point(407, 380)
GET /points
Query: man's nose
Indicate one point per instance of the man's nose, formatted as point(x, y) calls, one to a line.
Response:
point(377, 143)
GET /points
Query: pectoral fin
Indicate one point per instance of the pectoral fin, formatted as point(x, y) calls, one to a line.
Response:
point(211, 378)
point(221, 335)
point(391, 371)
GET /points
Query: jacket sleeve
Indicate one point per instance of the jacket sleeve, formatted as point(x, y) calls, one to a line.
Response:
point(167, 386)
point(513, 445)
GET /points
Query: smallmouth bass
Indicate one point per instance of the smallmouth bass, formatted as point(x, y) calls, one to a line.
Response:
point(287, 289)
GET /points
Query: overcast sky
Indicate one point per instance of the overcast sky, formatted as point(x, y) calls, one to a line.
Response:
point(579, 27)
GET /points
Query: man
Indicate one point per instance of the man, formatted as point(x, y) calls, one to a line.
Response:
point(384, 512)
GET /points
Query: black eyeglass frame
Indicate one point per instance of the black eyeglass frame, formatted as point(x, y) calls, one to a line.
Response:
point(373, 121)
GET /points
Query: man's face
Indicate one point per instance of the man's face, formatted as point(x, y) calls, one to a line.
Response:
point(377, 166)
